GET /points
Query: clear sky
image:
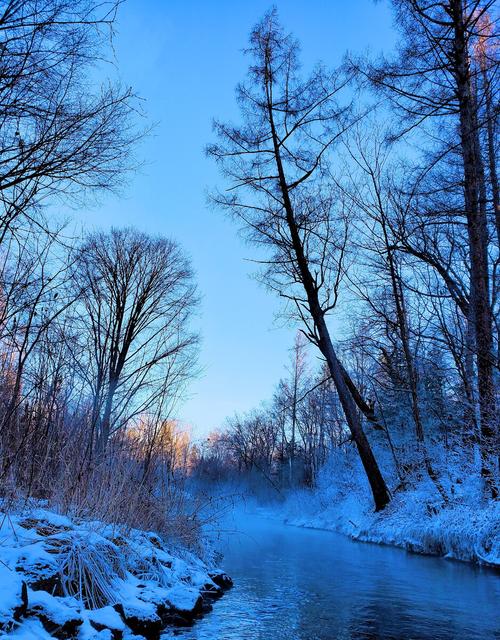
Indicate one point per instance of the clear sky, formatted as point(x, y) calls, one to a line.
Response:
point(184, 58)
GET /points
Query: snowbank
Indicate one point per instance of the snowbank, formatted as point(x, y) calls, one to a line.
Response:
point(68, 578)
point(462, 529)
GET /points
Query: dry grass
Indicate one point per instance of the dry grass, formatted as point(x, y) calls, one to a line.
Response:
point(113, 490)
point(89, 571)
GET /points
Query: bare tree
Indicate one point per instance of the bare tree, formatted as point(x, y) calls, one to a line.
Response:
point(376, 199)
point(434, 78)
point(294, 390)
point(137, 302)
point(279, 159)
point(35, 296)
point(58, 135)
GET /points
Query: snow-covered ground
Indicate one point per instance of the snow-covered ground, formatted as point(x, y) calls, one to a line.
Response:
point(68, 578)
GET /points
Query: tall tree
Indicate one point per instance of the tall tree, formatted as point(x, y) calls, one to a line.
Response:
point(376, 199)
point(137, 300)
point(433, 78)
point(279, 157)
point(60, 133)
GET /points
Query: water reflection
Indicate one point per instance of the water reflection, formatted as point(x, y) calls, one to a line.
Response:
point(297, 584)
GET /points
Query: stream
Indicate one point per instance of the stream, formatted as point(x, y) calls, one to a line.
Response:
point(303, 584)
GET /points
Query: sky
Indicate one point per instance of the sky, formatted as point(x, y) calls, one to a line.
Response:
point(184, 58)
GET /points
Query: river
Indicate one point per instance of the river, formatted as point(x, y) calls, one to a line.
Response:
point(302, 584)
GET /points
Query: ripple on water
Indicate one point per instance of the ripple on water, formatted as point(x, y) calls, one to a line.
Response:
point(299, 584)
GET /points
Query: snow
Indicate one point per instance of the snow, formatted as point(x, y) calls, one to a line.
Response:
point(465, 529)
point(59, 610)
point(31, 629)
point(51, 517)
point(133, 574)
point(10, 592)
point(107, 616)
point(182, 597)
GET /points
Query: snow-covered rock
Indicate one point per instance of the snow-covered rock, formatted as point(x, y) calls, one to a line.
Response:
point(13, 597)
point(63, 578)
point(107, 618)
point(59, 616)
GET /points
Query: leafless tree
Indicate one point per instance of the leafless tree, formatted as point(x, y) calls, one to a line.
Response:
point(374, 196)
point(278, 158)
point(58, 134)
point(137, 302)
point(35, 297)
point(294, 389)
point(444, 73)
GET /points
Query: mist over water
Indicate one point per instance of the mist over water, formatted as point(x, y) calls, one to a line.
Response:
point(293, 583)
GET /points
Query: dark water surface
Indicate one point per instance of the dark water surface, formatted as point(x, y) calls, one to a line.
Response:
point(293, 583)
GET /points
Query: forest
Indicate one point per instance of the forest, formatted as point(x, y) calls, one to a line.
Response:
point(367, 195)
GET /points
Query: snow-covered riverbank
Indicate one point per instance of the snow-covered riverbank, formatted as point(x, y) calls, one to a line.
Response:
point(461, 529)
point(67, 578)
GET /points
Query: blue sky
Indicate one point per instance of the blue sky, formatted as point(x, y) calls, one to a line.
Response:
point(184, 59)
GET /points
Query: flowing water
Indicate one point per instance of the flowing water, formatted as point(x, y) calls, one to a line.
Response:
point(301, 584)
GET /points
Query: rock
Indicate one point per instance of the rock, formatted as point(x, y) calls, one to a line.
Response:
point(50, 583)
point(114, 633)
point(55, 546)
point(222, 580)
point(41, 576)
point(173, 616)
point(13, 598)
point(107, 618)
point(158, 597)
point(170, 617)
point(64, 631)
point(211, 592)
point(42, 527)
point(57, 617)
point(196, 610)
point(207, 607)
point(177, 606)
point(141, 619)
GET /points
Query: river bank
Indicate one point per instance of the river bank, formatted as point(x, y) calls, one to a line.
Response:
point(68, 578)
point(462, 529)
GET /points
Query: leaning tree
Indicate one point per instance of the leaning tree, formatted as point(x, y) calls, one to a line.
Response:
point(277, 163)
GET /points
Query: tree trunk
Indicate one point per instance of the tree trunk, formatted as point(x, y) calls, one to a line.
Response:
point(411, 370)
point(490, 130)
point(377, 483)
point(105, 422)
point(294, 424)
point(478, 246)
point(378, 486)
